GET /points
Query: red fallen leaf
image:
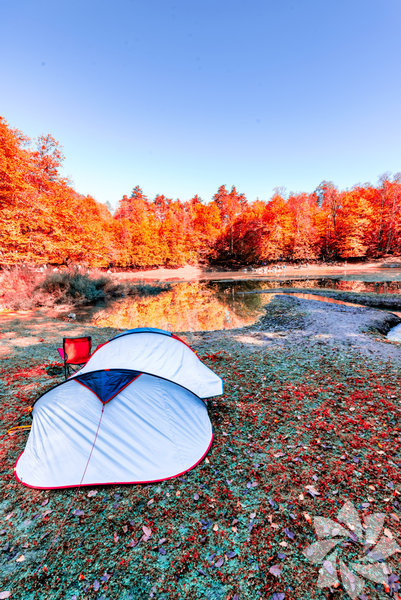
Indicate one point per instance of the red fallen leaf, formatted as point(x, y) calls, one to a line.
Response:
point(81, 577)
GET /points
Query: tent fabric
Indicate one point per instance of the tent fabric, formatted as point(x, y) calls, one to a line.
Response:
point(107, 384)
point(133, 414)
point(157, 352)
point(151, 430)
point(143, 330)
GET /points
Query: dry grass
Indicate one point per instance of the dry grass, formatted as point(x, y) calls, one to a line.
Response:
point(24, 288)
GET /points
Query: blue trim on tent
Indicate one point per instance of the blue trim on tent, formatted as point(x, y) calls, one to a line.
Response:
point(142, 330)
point(107, 384)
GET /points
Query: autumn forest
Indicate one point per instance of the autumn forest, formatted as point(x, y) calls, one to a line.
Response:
point(43, 220)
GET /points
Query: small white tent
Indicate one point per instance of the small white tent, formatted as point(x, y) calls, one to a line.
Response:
point(133, 414)
point(160, 353)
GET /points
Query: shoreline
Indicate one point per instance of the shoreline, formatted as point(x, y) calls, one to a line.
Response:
point(385, 302)
point(195, 273)
point(286, 319)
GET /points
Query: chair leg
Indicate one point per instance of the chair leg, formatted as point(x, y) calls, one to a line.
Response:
point(71, 369)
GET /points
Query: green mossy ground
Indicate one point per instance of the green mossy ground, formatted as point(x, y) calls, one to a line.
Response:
point(300, 430)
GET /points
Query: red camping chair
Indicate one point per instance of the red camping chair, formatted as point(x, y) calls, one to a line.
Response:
point(75, 352)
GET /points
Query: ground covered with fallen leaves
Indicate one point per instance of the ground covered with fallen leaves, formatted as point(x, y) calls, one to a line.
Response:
point(307, 422)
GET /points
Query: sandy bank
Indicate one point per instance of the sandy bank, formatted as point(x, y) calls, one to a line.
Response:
point(310, 326)
point(194, 273)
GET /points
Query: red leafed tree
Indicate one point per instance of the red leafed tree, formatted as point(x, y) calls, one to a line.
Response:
point(275, 243)
point(137, 232)
point(231, 205)
point(329, 200)
point(355, 219)
point(205, 227)
point(387, 210)
point(42, 219)
point(47, 159)
point(15, 189)
point(304, 236)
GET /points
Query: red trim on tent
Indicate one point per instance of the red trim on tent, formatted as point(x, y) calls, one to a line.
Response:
point(185, 344)
point(114, 395)
point(111, 482)
point(123, 388)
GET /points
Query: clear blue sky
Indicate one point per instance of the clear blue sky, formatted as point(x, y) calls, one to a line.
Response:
point(183, 96)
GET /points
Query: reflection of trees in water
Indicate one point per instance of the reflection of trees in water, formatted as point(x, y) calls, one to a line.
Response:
point(248, 306)
point(379, 287)
point(201, 306)
point(187, 306)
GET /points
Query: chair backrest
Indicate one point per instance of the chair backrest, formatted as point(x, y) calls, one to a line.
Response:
point(77, 350)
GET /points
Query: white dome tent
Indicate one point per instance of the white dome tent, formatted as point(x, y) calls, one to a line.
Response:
point(160, 353)
point(133, 414)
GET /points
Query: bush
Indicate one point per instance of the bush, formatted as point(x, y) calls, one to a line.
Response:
point(24, 288)
point(74, 286)
point(144, 290)
point(17, 287)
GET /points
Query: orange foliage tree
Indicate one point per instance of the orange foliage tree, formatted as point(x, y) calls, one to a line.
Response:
point(205, 228)
point(44, 220)
point(231, 205)
point(386, 228)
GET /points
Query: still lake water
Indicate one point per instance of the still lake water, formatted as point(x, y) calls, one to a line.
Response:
point(211, 305)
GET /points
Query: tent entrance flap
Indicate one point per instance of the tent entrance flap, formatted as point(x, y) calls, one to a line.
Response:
point(107, 384)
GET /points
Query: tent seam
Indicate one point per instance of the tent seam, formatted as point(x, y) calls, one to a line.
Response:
point(167, 410)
